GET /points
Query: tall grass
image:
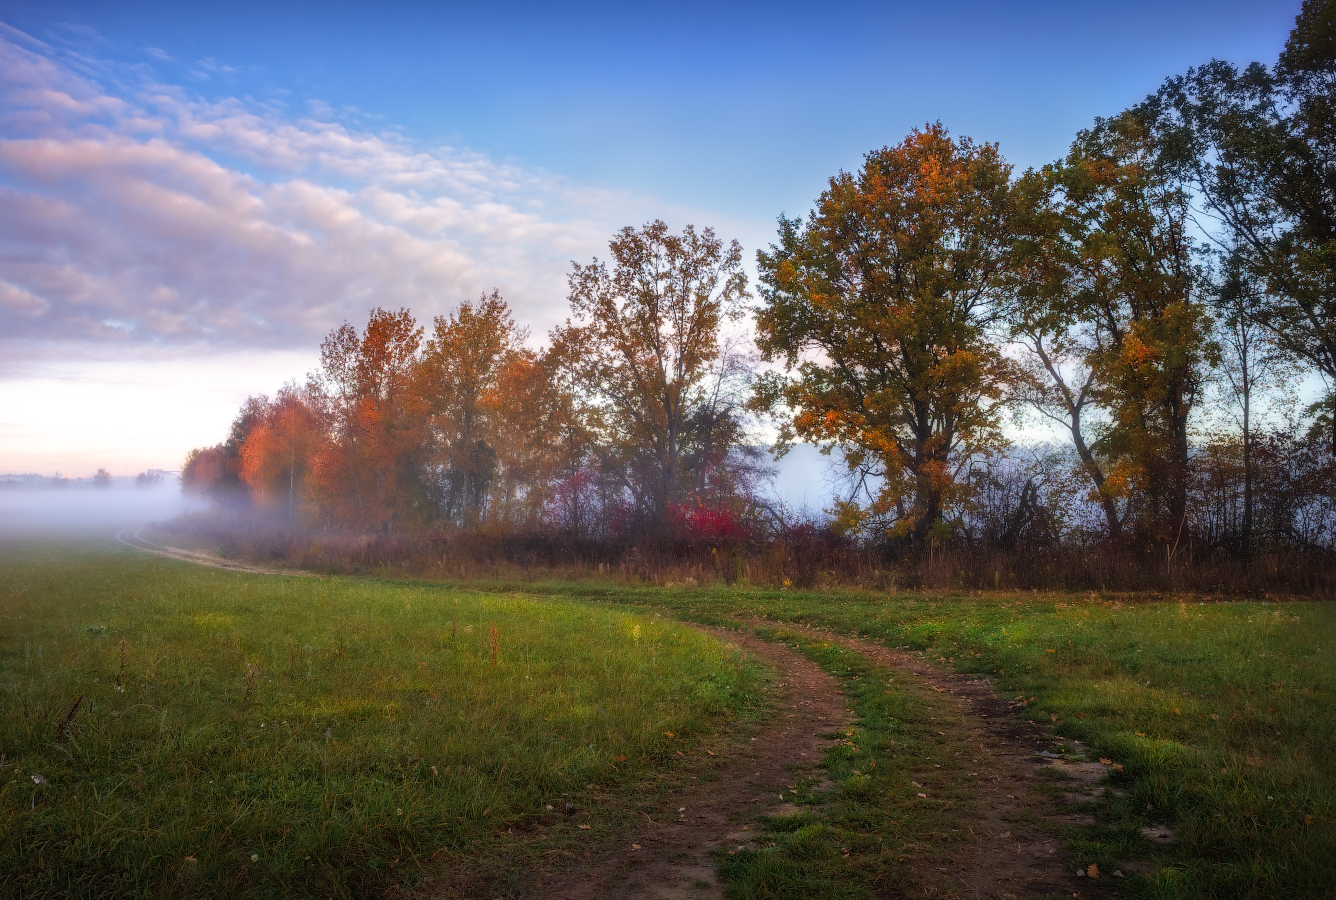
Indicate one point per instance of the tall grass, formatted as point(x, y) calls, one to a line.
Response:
point(169, 730)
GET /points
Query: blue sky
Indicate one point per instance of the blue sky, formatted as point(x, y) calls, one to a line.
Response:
point(195, 192)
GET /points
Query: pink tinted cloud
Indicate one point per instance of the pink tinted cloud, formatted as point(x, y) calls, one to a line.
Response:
point(155, 218)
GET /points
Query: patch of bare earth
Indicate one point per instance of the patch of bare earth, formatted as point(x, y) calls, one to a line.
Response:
point(667, 854)
point(1020, 792)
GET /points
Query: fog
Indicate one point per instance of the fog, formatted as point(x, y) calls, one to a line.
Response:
point(44, 509)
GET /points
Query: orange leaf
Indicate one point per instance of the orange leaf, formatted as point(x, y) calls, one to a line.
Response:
point(1092, 870)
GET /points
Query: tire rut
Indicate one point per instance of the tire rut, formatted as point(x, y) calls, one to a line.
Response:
point(670, 856)
point(1022, 802)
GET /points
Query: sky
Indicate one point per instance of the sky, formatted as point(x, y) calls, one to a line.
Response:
point(192, 195)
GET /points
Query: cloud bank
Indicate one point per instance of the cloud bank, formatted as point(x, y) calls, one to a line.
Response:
point(138, 218)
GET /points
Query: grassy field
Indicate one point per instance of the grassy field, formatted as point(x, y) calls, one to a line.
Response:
point(170, 730)
point(274, 736)
point(1220, 714)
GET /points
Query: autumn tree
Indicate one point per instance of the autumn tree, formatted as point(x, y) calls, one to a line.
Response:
point(1259, 146)
point(278, 452)
point(471, 367)
point(643, 350)
point(370, 474)
point(880, 306)
point(1048, 323)
point(1126, 219)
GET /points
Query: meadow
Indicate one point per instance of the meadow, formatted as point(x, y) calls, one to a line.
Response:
point(251, 735)
point(176, 730)
point(1220, 715)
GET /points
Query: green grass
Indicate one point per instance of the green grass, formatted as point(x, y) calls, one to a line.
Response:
point(869, 834)
point(284, 737)
point(1222, 715)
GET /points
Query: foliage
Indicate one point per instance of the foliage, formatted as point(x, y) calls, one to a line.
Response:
point(881, 302)
point(644, 353)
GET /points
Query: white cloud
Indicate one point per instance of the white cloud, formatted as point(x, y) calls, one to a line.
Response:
point(149, 217)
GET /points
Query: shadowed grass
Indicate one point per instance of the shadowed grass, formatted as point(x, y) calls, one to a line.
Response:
point(246, 735)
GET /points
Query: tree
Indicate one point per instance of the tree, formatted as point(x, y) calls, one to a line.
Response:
point(463, 377)
point(1131, 286)
point(641, 347)
point(277, 453)
point(1252, 361)
point(1049, 324)
point(370, 472)
point(882, 302)
point(1259, 145)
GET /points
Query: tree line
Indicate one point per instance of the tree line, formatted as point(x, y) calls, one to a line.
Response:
point(1155, 295)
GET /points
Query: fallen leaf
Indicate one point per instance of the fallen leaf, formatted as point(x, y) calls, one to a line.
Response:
point(711, 752)
point(1055, 718)
point(585, 827)
point(486, 811)
point(1117, 767)
point(1092, 870)
point(635, 846)
point(940, 690)
point(1080, 715)
point(1050, 651)
point(1308, 820)
point(1255, 762)
point(191, 859)
point(923, 795)
point(1140, 734)
point(1214, 716)
point(1177, 711)
point(1105, 762)
point(669, 734)
point(619, 759)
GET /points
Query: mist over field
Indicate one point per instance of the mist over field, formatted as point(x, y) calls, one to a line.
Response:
point(44, 509)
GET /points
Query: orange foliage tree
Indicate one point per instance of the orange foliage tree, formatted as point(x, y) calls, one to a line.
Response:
point(882, 303)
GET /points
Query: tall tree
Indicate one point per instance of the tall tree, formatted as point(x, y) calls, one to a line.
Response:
point(1251, 362)
point(277, 453)
point(1049, 324)
point(371, 472)
point(463, 375)
point(1126, 216)
point(642, 344)
point(1260, 147)
point(882, 303)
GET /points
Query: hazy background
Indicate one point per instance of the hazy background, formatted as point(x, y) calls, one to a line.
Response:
point(191, 195)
